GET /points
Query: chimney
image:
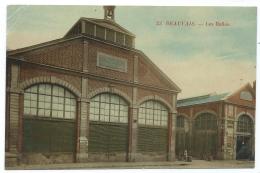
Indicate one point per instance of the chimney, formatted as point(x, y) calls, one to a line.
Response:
point(109, 13)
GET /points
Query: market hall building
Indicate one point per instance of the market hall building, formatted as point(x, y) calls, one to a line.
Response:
point(217, 126)
point(89, 96)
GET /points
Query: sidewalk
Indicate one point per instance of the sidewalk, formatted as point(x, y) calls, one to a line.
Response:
point(221, 164)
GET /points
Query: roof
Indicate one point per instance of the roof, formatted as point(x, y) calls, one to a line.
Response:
point(201, 99)
point(104, 23)
point(109, 24)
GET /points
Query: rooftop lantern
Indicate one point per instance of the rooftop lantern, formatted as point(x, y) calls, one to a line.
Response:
point(109, 13)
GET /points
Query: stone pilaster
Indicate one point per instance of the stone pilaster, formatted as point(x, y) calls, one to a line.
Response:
point(14, 117)
point(133, 116)
point(136, 69)
point(172, 135)
point(172, 129)
point(83, 123)
point(191, 131)
point(85, 55)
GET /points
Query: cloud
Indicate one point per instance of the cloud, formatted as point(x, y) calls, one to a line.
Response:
point(205, 74)
point(199, 59)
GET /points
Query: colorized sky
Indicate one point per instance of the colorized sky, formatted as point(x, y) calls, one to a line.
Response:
point(199, 57)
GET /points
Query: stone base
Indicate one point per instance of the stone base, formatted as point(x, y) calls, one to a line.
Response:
point(150, 156)
point(82, 157)
point(46, 158)
point(10, 159)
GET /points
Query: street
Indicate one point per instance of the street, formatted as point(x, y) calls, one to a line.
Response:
point(221, 164)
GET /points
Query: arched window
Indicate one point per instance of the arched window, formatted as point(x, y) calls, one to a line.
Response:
point(153, 113)
point(108, 107)
point(50, 101)
point(245, 124)
point(182, 122)
point(206, 121)
point(42, 103)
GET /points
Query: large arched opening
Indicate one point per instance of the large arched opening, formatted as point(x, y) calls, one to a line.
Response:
point(205, 136)
point(152, 130)
point(244, 135)
point(49, 119)
point(108, 128)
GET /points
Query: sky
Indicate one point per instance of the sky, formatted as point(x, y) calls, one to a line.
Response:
point(200, 58)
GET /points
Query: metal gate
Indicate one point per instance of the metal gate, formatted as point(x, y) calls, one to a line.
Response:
point(204, 141)
point(108, 140)
point(204, 144)
point(152, 139)
point(182, 143)
point(48, 136)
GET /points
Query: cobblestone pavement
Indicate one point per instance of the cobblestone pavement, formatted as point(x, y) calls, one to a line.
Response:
point(119, 165)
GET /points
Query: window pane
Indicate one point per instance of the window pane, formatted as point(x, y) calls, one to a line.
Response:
point(34, 97)
point(47, 113)
point(113, 119)
point(26, 103)
point(108, 107)
point(55, 90)
point(41, 104)
point(47, 105)
point(33, 104)
point(34, 89)
point(42, 89)
point(27, 96)
point(41, 112)
point(68, 94)
point(26, 110)
point(33, 111)
point(67, 115)
point(153, 112)
point(123, 119)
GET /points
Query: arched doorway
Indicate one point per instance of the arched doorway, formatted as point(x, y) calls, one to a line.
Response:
point(204, 142)
point(152, 130)
point(108, 138)
point(182, 136)
point(244, 137)
point(49, 119)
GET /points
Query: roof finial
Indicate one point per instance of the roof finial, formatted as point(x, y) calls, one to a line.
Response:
point(109, 13)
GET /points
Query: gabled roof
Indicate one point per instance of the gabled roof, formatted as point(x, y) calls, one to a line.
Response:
point(148, 60)
point(201, 99)
point(244, 87)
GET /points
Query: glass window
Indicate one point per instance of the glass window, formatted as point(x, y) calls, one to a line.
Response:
point(180, 122)
point(245, 95)
point(245, 124)
point(206, 121)
point(153, 113)
point(47, 100)
point(108, 108)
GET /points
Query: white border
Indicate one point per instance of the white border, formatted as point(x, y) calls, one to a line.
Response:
point(244, 3)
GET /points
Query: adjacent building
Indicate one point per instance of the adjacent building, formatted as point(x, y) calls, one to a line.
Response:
point(88, 96)
point(217, 126)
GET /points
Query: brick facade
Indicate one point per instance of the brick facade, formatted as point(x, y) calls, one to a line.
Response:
point(227, 110)
point(72, 64)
